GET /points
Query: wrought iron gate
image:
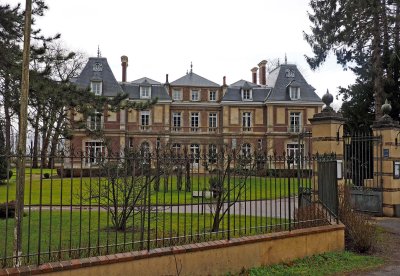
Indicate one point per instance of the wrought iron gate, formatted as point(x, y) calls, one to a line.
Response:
point(363, 171)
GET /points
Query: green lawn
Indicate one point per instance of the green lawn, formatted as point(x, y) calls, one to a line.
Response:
point(93, 229)
point(67, 190)
point(336, 263)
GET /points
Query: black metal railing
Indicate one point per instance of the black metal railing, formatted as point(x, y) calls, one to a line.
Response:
point(135, 200)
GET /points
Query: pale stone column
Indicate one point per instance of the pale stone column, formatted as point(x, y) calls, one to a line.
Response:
point(389, 130)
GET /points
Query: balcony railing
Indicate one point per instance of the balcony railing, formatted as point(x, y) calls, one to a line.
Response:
point(192, 129)
point(145, 128)
point(246, 129)
point(295, 129)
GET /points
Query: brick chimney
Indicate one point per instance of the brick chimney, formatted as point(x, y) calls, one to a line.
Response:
point(254, 75)
point(263, 72)
point(124, 63)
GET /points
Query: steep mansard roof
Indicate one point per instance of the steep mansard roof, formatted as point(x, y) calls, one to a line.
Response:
point(192, 79)
point(277, 88)
point(97, 69)
point(287, 75)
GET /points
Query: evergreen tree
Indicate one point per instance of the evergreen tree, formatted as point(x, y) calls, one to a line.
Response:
point(364, 36)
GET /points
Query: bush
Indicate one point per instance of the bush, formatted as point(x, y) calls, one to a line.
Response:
point(360, 232)
point(10, 174)
point(46, 175)
point(10, 207)
point(311, 215)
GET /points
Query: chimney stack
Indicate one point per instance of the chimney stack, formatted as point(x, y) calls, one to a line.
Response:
point(224, 81)
point(254, 75)
point(124, 63)
point(166, 79)
point(263, 72)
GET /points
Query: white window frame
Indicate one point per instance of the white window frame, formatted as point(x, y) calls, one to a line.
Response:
point(195, 95)
point(96, 87)
point(212, 121)
point(245, 150)
point(176, 147)
point(194, 124)
point(176, 117)
point(145, 92)
point(94, 152)
point(295, 121)
point(247, 94)
point(195, 154)
point(212, 153)
point(95, 122)
point(294, 92)
point(177, 95)
point(145, 119)
point(212, 95)
point(246, 121)
point(292, 150)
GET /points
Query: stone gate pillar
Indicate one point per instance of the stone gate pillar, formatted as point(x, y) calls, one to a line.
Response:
point(388, 164)
point(327, 130)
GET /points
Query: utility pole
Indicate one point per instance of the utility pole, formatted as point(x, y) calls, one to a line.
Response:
point(23, 122)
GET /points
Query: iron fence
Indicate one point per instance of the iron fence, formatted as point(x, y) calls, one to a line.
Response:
point(85, 205)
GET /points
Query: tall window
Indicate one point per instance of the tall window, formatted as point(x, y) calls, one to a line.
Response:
point(94, 152)
point(177, 95)
point(195, 154)
point(96, 87)
point(246, 150)
point(294, 152)
point(212, 96)
point(195, 95)
point(295, 122)
point(94, 121)
point(176, 121)
point(145, 152)
point(145, 92)
point(194, 121)
point(247, 95)
point(176, 148)
point(294, 93)
point(145, 120)
point(212, 122)
point(246, 121)
point(212, 153)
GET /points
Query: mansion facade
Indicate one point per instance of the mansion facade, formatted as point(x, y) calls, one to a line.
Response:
point(268, 113)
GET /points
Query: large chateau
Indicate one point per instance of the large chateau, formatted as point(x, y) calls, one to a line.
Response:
point(265, 114)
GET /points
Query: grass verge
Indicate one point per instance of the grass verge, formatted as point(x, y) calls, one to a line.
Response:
point(323, 264)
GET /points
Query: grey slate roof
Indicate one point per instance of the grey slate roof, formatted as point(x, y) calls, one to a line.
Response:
point(241, 83)
point(192, 79)
point(233, 92)
point(145, 79)
point(110, 84)
point(279, 81)
point(157, 91)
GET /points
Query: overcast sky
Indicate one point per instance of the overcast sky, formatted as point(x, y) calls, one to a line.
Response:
point(221, 37)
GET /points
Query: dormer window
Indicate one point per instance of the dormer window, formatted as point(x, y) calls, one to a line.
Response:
point(247, 94)
point(294, 93)
point(96, 87)
point(145, 92)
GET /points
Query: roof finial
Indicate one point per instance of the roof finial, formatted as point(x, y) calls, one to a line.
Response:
point(98, 51)
point(191, 67)
point(279, 62)
point(285, 58)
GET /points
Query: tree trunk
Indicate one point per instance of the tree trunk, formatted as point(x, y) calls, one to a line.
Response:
point(377, 61)
point(35, 161)
point(7, 113)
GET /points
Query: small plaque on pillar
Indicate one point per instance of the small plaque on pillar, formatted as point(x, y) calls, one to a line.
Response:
point(385, 153)
point(396, 169)
point(339, 169)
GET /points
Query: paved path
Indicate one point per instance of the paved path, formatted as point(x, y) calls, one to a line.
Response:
point(277, 208)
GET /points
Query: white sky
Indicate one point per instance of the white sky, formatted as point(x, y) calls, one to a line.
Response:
point(221, 37)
